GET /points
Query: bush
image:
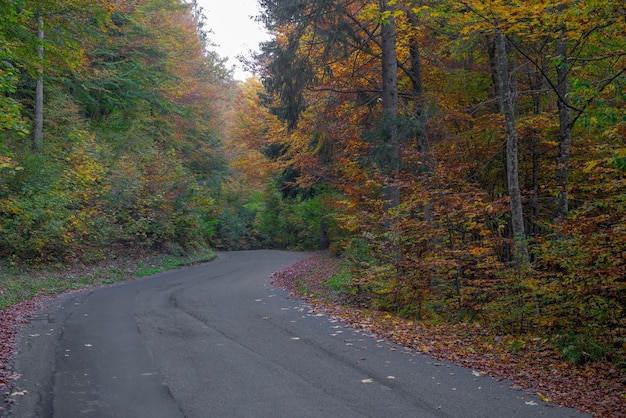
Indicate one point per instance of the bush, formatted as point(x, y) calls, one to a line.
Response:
point(579, 349)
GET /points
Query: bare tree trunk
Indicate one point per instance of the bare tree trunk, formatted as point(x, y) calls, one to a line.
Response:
point(324, 239)
point(391, 158)
point(493, 65)
point(507, 108)
point(565, 131)
point(38, 132)
point(419, 112)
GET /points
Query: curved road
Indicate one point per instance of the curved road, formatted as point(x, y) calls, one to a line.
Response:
point(216, 340)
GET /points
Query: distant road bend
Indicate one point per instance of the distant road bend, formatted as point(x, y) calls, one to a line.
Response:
point(216, 340)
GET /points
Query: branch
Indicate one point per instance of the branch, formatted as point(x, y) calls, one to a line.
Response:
point(591, 99)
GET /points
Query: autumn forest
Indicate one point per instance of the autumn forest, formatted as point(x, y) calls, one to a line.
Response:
point(464, 159)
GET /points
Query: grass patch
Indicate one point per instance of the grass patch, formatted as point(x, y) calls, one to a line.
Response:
point(340, 282)
point(18, 285)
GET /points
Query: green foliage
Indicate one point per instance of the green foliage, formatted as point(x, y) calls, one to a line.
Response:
point(270, 218)
point(10, 109)
point(620, 159)
point(33, 217)
point(579, 349)
point(357, 262)
point(341, 282)
point(236, 228)
point(291, 222)
point(129, 143)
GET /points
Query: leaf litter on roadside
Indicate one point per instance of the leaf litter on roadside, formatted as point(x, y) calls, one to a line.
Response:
point(12, 319)
point(597, 388)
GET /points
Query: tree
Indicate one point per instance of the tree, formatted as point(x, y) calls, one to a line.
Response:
point(38, 131)
point(132, 130)
point(507, 109)
point(391, 160)
point(574, 29)
point(565, 127)
point(504, 109)
point(57, 52)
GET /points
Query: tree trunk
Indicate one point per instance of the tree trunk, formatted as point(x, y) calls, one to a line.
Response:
point(565, 131)
point(536, 82)
point(391, 143)
point(419, 112)
point(324, 238)
point(493, 65)
point(507, 108)
point(38, 131)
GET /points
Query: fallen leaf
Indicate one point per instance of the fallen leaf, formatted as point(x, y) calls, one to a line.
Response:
point(543, 398)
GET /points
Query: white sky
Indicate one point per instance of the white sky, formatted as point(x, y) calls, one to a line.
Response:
point(234, 30)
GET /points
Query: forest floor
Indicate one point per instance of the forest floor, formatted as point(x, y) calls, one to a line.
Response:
point(530, 364)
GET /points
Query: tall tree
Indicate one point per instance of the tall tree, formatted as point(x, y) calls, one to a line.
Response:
point(574, 29)
point(507, 107)
point(59, 50)
point(565, 127)
point(391, 141)
point(38, 131)
point(417, 81)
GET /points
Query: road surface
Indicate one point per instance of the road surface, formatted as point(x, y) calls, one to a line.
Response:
point(216, 340)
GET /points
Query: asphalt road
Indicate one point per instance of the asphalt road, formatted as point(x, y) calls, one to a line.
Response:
point(216, 340)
